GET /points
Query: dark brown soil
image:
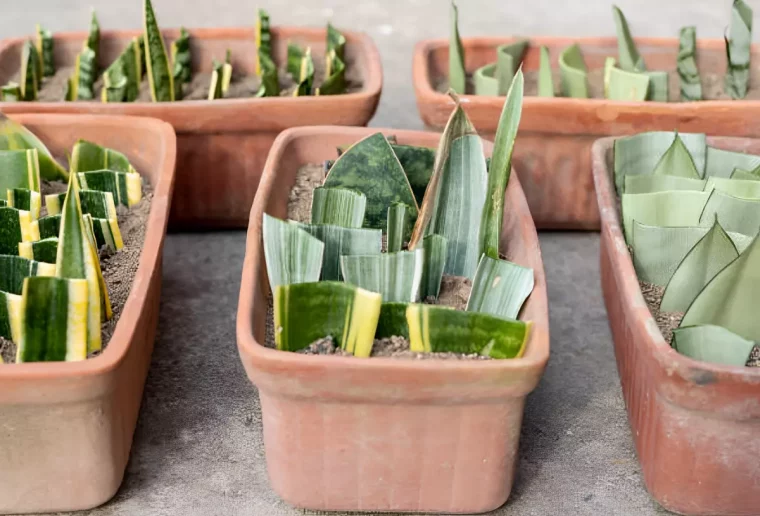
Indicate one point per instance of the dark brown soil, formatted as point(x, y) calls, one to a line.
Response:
point(754, 357)
point(119, 269)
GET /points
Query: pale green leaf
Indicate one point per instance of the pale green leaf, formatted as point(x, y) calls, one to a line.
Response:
point(677, 161)
point(747, 175)
point(739, 50)
point(338, 206)
point(340, 241)
point(659, 86)
point(628, 55)
point(735, 214)
point(417, 163)
point(721, 163)
point(395, 276)
point(651, 183)
point(713, 344)
point(627, 86)
point(457, 77)
point(433, 265)
point(573, 73)
point(691, 85)
point(508, 60)
point(500, 288)
point(656, 209)
point(292, 255)
point(545, 79)
point(397, 227)
point(485, 80)
point(743, 188)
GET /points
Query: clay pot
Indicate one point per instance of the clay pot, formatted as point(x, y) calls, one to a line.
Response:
point(553, 149)
point(695, 424)
point(67, 427)
point(222, 144)
point(381, 434)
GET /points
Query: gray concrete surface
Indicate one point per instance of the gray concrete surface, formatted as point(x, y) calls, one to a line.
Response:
point(198, 446)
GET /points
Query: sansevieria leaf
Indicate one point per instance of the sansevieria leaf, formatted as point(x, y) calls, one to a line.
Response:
point(713, 344)
point(417, 163)
point(340, 241)
point(10, 316)
point(335, 76)
point(500, 288)
point(26, 200)
point(744, 188)
point(115, 83)
point(627, 86)
point(54, 203)
point(441, 329)
point(40, 250)
point(48, 226)
point(721, 163)
point(508, 60)
point(657, 209)
point(29, 80)
point(485, 81)
point(305, 75)
point(545, 79)
point(263, 40)
point(346, 313)
point(11, 92)
point(121, 80)
point(740, 174)
point(734, 213)
point(13, 270)
point(85, 73)
point(295, 55)
point(433, 265)
point(159, 74)
point(107, 233)
point(270, 82)
point(397, 227)
point(392, 322)
point(338, 206)
point(336, 42)
point(93, 38)
point(181, 61)
point(660, 183)
point(738, 50)
point(573, 73)
point(691, 85)
point(45, 51)
point(19, 169)
point(628, 55)
point(54, 320)
point(457, 77)
point(677, 161)
point(14, 136)
point(15, 226)
point(87, 156)
point(125, 187)
point(292, 254)
point(97, 204)
point(396, 276)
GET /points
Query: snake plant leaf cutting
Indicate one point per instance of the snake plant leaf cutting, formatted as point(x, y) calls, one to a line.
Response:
point(270, 83)
point(344, 312)
point(292, 254)
point(335, 76)
point(396, 276)
point(336, 42)
point(54, 202)
point(45, 48)
point(85, 73)
point(41, 251)
point(181, 61)
point(26, 200)
point(13, 270)
point(53, 320)
point(688, 72)
point(48, 226)
point(700, 265)
point(87, 156)
point(14, 136)
point(263, 39)
point(305, 77)
point(735, 213)
point(749, 175)
point(106, 232)
point(97, 204)
point(711, 343)
point(500, 288)
point(545, 79)
point(115, 83)
point(654, 209)
point(340, 241)
point(433, 265)
point(624, 85)
point(126, 187)
point(392, 321)
point(29, 80)
point(338, 206)
point(508, 60)
point(628, 55)
point(93, 38)
point(501, 167)
point(157, 62)
point(738, 50)
point(11, 92)
point(573, 73)
point(677, 161)
point(121, 80)
point(457, 76)
point(658, 183)
point(19, 169)
point(384, 185)
point(397, 227)
point(440, 329)
point(744, 188)
point(417, 163)
point(10, 316)
point(721, 163)
point(295, 54)
point(15, 226)
point(485, 80)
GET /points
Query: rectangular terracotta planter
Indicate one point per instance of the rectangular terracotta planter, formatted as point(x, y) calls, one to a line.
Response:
point(66, 427)
point(696, 425)
point(553, 150)
point(379, 434)
point(222, 144)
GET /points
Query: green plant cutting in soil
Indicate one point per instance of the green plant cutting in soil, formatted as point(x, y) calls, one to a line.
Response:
point(625, 78)
point(65, 267)
point(392, 232)
point(691, 215)
point(149, 70)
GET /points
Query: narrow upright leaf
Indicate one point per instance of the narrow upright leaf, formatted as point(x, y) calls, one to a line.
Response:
point(691, 85)
point(181, 61)
point(85, 74)
point(29, 80)
point(712, 344)
point(397, 225)
point(295, 55)
point(738, 50)
point(305, 75)
point(395, 276)
point(121, 80)
point(157, 62)
point(263, 40)
point(336, 42)
point(270, 82)
point(115, 83)
point(545, 79)
point(338, 206)
point(433, 265)
point(335, 76)
point(45, 51)
point(457, 77)
point(500, 288)
point(93, 38)
point(292, 255)
point(417, 163)
point(340, 241)
point(15, 227)
point(508, 60)
point(628, 55)
point(573, 73)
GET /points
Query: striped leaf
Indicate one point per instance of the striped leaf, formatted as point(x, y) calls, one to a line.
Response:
point(457, 76)
point(335, 76)
point(573, 73)
point(181, 61)
point(721, 163)
point(85, 73)
point(397, 227)
point(650, 183)
point(26, 200)
point(392, 321)
point(688, 72)
point(45, 51)
point(625, 85)
point(129, 66)
point(14, 136)
point(292, 254)
point(53, 320)
point(433, 265)
point(159, 74)
point(263, 40)
point(13, 270)
point(98, 204)
point(48, 226)
point(270, 81)
point(29, 79)
point(11, 92)
point(107, 233)
point(340, 241)
point(126, 188)
point(395, 276)
point(336, 42)
point(221, 75)
point(15, 226)
point(545, 79)
point(628, 55)
point(339, 207)
point(93, 38)
point(305, 77)
point(87, 156)
point(713, 344)
point(656, 209)
point(19, 169)
point(115, 82)
point(346, 313)
point(295, 55)
point(500, 288)
point(417, 163)
point(735, 214)
point(10, 316)
point(738, 50)
point(440, 329)
point(54, 202)
point(41, 250)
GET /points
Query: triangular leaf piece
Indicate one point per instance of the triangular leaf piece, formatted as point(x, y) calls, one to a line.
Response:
point(712, 344)
point(159, 73)
point(628, 55)
point(677, 161)
point(457, 79)
point(500, 288)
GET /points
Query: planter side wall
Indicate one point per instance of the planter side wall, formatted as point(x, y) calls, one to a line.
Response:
point(695, 426)
point(67, 427)
point(552, 152)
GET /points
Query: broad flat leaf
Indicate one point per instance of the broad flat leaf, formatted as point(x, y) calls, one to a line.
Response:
point(45, 50)
point(340, 241)
point(500, 288)
point(545, 79)
point(741, 174)
point(501, 167)
point(15, 226)
point(27, 200)
point(13, 270)
point(744, 188)
point(738, 50)
point(659, 86)
point(338, 206)
point(708, 257)
point(441, 329)
point(417, 163)
point(14, 136)
point(397, 227)
point(628, 55)
point(263, 40)
point(657, 250)
point(677, 161)
point(306, 312)
point(626, 86)
point(691, 85)
point(395, 276)
point(735, 214)
point(457, 77)
point(292, 255)
point(41, 251)
point(721, 163)
point(87, 156)
point(485, 80)
point(159, 74)
point(19, 169)
point(713, 344)
point(731, 299)
point(573, 73)
point(651, 183)
point(659, 209)
point(370, 167)
point(640, 153)
point(508, 61)
point(434, 264)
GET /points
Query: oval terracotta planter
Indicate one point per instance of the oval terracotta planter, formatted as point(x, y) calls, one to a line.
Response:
point(66, 427)
point(222, 144)
point(553, 151)
point(696, 425)
point(380, 434)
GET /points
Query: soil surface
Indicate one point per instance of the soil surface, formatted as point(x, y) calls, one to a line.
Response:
point(308, 178)
point(118, 269)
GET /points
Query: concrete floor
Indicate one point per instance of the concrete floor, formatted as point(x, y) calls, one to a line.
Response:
point(198, 446)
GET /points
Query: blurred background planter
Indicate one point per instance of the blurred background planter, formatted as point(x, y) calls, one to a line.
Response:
point(553, 151)
point(221, 144)
point(381, 434)
point(67, 427)
point(696, 425)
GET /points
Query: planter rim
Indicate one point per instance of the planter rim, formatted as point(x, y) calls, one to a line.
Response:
point(606, 109)
point(372, 83)
point(667, 357)
point(274, 361)
point(124, 333)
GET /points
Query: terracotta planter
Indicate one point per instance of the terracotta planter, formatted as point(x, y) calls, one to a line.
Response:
point(553, 151)
point(66, 427)
point(696, 425)
point(380, 434)
point(222, 144)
